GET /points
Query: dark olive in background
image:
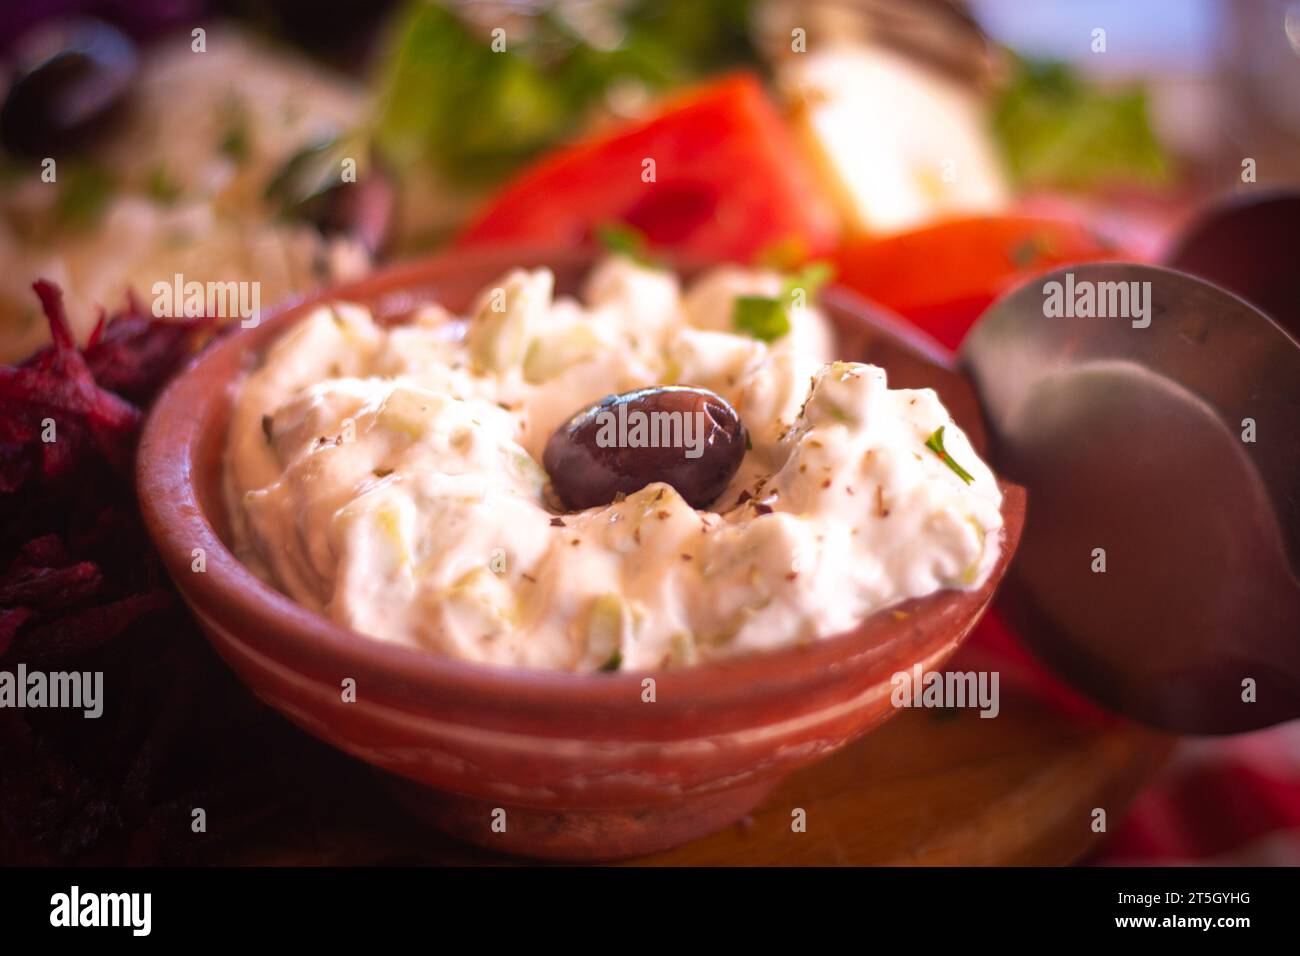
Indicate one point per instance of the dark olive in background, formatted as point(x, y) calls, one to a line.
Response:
point(588, 471)
point(309, 187)
point(72, 76)
point(340, 32)
point(1250, 245)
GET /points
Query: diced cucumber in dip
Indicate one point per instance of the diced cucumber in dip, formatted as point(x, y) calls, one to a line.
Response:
point(390, 478)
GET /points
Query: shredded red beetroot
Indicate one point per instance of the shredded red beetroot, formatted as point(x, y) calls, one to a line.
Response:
point(77, 575)
point(65, 473)
point(81, 588)
point(55, 391)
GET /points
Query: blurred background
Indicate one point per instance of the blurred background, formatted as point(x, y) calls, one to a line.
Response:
point(206, 137)
point(935, 151)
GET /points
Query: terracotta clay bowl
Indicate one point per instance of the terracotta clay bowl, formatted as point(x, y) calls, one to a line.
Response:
point(583, 766)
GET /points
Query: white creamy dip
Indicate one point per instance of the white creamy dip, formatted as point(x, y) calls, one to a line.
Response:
point(389, 478)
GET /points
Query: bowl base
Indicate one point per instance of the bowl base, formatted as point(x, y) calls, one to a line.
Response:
point(579, 836)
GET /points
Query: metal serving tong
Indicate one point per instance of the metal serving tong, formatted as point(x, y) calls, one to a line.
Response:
point(1159, 570)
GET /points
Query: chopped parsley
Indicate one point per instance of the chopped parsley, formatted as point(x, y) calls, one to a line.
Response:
point(614, 663)
point(768, 318)
point(935, 444)
point(623, 240)
point(762, 317)
point(810, 279)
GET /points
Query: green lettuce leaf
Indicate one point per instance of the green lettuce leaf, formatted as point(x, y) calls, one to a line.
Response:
point(1056, 129)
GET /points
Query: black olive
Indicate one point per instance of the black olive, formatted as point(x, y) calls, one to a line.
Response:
point(73, 76)
point(689, 438)
point(310, 187)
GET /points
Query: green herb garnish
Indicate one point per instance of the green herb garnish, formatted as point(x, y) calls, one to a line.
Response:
point(760, 316)
point(810, 279)
point(86, 192)
point(935, 444)
point(614, 663)
point(623, 240)
point(161, 187)
point(235, 142)
point(768, 318)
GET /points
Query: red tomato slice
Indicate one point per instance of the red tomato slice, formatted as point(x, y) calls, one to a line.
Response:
point(729, 183)
point(942, 277)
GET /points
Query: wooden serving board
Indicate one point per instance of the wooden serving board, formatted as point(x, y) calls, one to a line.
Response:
point(929, 787)
point(952, 789)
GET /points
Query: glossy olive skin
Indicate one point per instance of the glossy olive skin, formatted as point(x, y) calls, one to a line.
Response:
point(69, 87)
point(600, 452)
